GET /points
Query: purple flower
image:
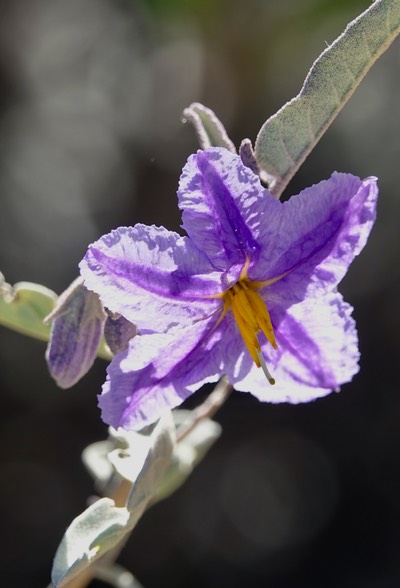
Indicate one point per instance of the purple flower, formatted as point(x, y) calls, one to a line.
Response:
point(250, 292)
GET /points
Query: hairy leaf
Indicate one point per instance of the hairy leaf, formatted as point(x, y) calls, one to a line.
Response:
point(103, 525)
point(287, 138)
point(210, 130)
point(99, 528)
point(24, 306)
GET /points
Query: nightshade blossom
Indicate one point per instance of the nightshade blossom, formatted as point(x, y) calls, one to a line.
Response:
point(250, 292)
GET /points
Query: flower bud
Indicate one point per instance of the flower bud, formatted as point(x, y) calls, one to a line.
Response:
point(117, 332)
point(77, 327)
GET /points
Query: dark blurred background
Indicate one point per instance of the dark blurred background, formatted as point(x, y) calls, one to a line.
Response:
point(91, 96)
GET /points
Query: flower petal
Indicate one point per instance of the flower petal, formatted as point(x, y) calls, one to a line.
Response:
point(153, 277)
point(159, 371)
point(220, 200)
point(317, 352)
point(320, 232)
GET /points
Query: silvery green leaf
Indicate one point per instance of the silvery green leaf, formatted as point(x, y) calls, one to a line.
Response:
point(287, 138)
point(209, 129)
point(158, 458)
point(96, 459)
point(99, 528)
point(129, 462)
point(103, 525)
point(188, 452)
point(117, 576)
point(202, 437)
point(24, 306)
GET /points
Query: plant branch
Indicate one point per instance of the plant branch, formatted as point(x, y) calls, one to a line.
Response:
point(206, 410)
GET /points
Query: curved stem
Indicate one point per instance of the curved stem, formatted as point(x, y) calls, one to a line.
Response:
point(117, 576)
point(206, 410)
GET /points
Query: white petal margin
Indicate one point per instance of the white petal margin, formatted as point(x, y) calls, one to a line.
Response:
point(317, 353)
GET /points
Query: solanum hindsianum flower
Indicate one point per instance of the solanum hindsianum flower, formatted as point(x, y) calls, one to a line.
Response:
point(250, 292)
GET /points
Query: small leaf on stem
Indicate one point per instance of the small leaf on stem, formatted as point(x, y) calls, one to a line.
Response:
point(210, 130)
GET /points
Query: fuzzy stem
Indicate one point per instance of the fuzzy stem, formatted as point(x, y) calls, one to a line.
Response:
point(206, 410)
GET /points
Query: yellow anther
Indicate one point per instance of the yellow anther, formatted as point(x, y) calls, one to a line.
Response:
point(252, 317)
point(248, 336)
point(245, 309)
point(264, 320)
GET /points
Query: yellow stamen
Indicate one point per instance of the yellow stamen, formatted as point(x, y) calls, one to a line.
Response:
point(252, 317)
point(264, 320)
point(248, 335)
point(244, 307)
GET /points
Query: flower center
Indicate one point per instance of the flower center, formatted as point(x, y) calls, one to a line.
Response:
point(252, 317)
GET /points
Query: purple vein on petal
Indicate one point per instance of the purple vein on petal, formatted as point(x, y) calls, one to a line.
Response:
point(214, 195)
point(218, 196)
